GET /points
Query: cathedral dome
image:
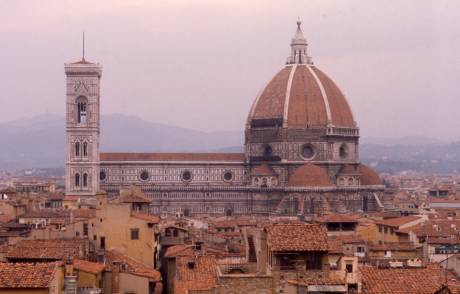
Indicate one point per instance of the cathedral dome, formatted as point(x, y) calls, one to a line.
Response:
point(369, 176)
point(309, 175)
point(300, 96)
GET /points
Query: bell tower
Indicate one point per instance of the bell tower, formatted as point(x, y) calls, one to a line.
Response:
point(82, 127)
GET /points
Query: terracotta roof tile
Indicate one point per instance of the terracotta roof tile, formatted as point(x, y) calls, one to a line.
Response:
point(133, 267)
point(404, 280)
point(395, 246)
point(133, 195)
point(307, 107)
point(195, 273)
point(368, 176)
point(271, 100)
point(340, 110)
point(398, 221)
point(147, 217)
point(56, 249)
point(189, 250)
point(263, 170)
point(297, 237)
point(88, 266)
point(236, 157)
point(337, 218)
point(27, 275)
point(309, 175)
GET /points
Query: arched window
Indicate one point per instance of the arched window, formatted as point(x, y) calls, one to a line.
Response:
point(81, 109)
point(85, 180)
point(343, 151)
point(77, 149)
point(77, 180)
point(85, 149)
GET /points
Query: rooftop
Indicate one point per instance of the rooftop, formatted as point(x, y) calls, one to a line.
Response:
point(56, 249)
point(27, 275)
point(297, 237)
point(405, 280)
point(132, 266)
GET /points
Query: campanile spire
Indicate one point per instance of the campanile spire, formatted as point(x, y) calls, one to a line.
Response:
point(299, 46)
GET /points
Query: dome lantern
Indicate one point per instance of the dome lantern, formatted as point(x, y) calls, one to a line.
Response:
point(299, 46)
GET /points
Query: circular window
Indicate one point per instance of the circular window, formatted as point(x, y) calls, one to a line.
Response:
point(144, 175)
point(343, 151)
point(268, 150)
point(186, 176)
point(102, 175)
point(228, 176)
point(308, 151)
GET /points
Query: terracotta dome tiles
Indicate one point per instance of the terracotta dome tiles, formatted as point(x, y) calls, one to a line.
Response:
point(341, 113)
point(302, 96)
point(269, 105)
point(309, 175)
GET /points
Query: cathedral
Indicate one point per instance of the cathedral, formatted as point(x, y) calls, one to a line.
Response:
point(301, 152)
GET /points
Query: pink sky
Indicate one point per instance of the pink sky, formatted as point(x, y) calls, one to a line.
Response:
point(200, 64)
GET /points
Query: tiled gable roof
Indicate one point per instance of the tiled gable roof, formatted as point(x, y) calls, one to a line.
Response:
point(88, 266)
point(297, 237)
point(133, 266)
point(147, 217)
point(405, 280)
point(57, 249)
point(398, 221)
point(201, 276)
point(133, 195)
point(26, 275)
point(337, 218)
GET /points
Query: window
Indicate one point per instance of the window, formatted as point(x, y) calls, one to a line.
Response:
point(94, 237)
point(85, 180)
point(77, 149)
point(343, 151)
point(102, 242)
point(135, 234)
point(81, 109)
point(144, 175)
point(268, 151)
point(349, 267)
point(85, 229)
point(186, 176)
point(102, 175)
point(308, 151)
point(85, 149)
point(77, 180)
point(228, 176)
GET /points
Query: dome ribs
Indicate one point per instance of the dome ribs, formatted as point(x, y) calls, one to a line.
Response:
point(300, 96)
point(306, 107)
point(341, 113)
point(270, 106)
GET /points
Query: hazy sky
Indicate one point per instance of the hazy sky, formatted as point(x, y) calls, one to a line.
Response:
point(200, 64)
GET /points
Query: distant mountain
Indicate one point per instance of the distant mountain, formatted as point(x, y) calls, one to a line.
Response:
point(132, 134)
point(39, 142)
point(408, 140)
